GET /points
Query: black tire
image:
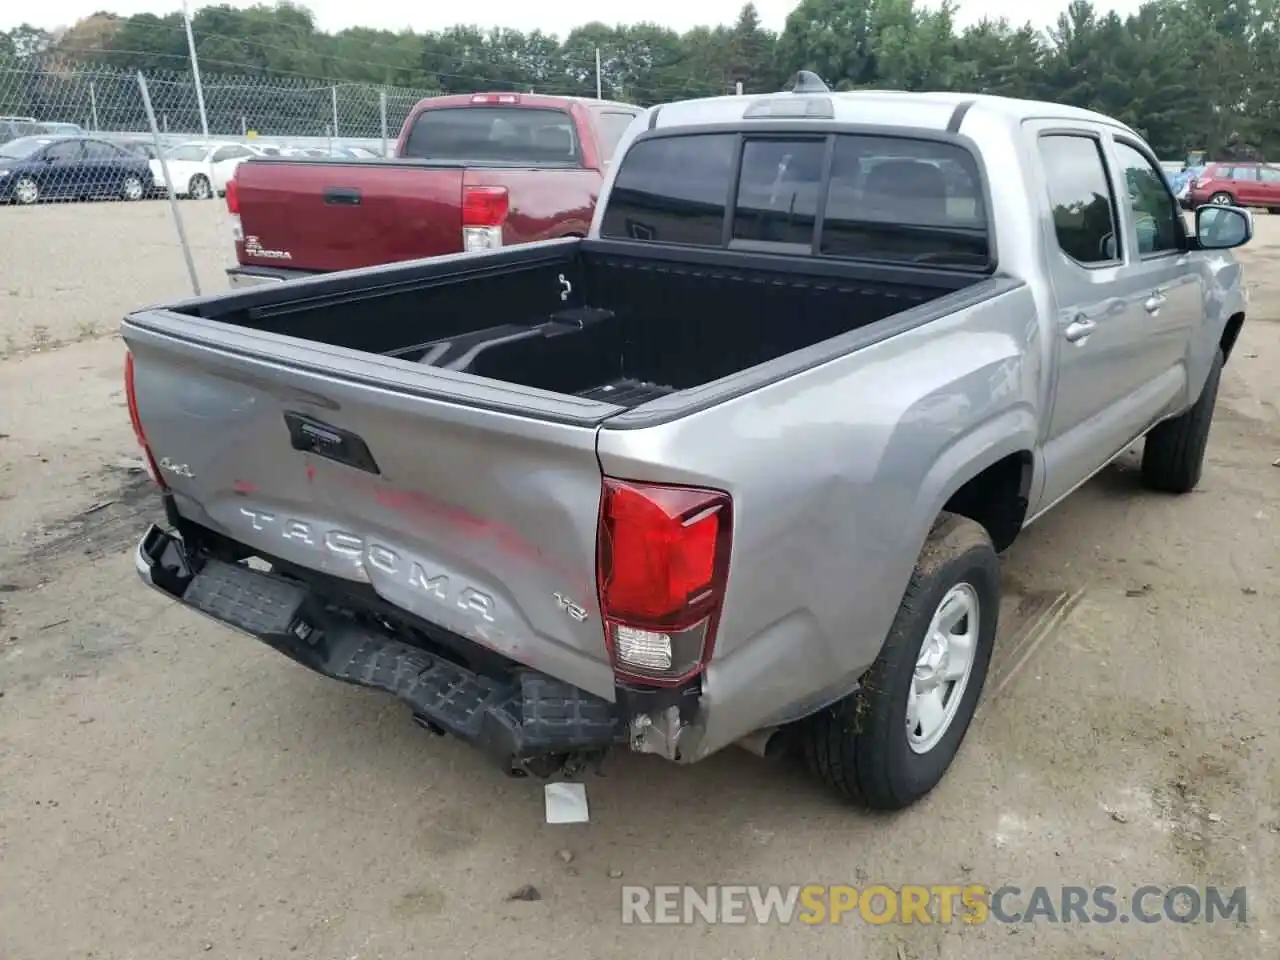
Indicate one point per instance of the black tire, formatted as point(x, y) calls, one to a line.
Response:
point(860, 746)
point(1173, 454)
point(199, 188)
point(1222, 199)
point(132, 188)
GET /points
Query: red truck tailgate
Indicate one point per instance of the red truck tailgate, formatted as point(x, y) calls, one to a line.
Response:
point(338, 216)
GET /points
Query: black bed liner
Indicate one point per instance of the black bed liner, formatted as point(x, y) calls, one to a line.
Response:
point(596, 320)
point(481, 351)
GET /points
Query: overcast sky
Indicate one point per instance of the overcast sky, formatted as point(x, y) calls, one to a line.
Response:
point(556, 16)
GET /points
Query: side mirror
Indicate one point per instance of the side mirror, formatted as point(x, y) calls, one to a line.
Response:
point(1223, 227)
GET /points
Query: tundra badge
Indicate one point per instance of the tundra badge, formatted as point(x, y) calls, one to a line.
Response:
point(253, 248)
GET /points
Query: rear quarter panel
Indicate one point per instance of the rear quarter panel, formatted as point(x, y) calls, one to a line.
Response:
point(836, 475)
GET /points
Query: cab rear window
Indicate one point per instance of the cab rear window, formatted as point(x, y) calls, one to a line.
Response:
point(883, 198)
point(485, 134)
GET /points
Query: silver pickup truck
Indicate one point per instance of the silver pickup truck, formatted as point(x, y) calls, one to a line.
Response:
point(734, 468)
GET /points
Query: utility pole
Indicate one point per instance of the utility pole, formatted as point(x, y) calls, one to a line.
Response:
point(599, 81)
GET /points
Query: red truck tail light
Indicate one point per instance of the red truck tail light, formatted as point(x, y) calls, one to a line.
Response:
point(131, 397)
point(496, 98)
point(484, 211)
point(233, 208)
point(662, 563)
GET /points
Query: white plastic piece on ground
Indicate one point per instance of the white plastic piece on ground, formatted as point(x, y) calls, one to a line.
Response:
point(566, 802)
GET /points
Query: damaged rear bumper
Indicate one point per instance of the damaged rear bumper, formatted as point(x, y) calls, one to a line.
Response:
point(517, 718)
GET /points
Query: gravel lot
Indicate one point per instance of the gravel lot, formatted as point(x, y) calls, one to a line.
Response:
point(70, 271)
point(169, 789)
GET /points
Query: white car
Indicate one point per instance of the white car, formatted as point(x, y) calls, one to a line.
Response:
point(202, 168)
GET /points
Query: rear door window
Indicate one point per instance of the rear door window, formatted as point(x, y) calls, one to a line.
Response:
point(611, 125)
point(190, 152)
point(673, 190)
point(503, 135)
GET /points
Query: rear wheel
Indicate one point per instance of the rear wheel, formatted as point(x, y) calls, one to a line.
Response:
point(891, 742)
point(1222, 199)
point(199, 188)
point(26, 191)
point(1173, 453)
point(131, 188)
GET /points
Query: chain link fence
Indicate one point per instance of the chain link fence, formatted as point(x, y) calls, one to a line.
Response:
point(71, 133)
point(40, 94)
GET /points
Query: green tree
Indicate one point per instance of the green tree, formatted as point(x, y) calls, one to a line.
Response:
point(1188, 74)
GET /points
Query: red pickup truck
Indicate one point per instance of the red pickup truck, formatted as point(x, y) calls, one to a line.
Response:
point(471, 172)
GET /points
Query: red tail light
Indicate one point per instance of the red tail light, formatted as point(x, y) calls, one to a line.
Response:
point(484, 206)
point(662, 563)
point(132, 398)
point(496, 98)
point(484, 211)
point(233, 196)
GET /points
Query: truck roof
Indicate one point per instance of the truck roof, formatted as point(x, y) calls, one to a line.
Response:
point(890, 108)
point(525, 99)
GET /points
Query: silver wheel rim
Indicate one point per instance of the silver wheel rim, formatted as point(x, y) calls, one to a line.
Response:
point(1221, 200)
point(26, 191)
point(200, 189)
point(133, 188)
point(943, 668)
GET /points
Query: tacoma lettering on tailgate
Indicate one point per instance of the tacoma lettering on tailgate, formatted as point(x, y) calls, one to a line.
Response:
point(363, 553)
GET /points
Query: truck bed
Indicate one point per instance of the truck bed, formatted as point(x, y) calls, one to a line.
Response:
point(590, 319)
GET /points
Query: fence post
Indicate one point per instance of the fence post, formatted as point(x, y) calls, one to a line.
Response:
point(382, 111)
point(164, 169)
point(195, 68)
point(333, 94)
point(93, 106)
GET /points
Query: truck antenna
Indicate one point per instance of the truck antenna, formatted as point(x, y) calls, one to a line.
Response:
point(806, 81)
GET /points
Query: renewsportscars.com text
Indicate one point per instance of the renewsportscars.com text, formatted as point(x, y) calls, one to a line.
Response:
point(927, 904)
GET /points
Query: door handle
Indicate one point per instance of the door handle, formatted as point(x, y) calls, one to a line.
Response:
point(1079, 328)
point(1154, 302)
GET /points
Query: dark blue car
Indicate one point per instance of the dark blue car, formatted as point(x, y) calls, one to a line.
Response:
point(70, 168)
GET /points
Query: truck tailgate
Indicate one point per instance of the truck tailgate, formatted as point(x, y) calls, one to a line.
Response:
point(334, 215)
point(479, 521)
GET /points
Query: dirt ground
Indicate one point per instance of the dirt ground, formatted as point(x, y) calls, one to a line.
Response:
point(169, 789)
